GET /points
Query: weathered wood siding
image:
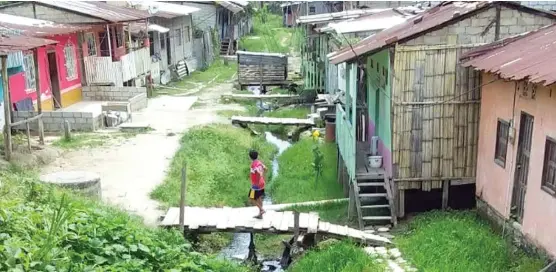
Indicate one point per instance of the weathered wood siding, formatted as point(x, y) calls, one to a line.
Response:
point(261, 68)
point(314, 62)
point(435, 117)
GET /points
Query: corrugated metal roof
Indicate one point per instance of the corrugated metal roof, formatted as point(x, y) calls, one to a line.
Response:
point(335, 16)
point(529, 56)
point(441, 14)
point(17, 25)
point(10, 44)
point(378, 21)
point(103, 11)
point(234, 8)
point(163, 9)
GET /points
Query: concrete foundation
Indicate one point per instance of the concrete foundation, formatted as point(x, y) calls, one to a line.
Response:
point(86, 183)
point(510, 229)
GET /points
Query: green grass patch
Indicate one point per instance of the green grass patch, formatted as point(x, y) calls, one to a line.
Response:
point(45, 228)
point(217, 167)
point(333, 212)
point(296, 177)
point(218, 72)
point(82, 140)
point(340, 256)
point(460, 242)
point(269, 35)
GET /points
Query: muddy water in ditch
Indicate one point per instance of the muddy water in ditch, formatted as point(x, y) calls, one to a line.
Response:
point(239, 247)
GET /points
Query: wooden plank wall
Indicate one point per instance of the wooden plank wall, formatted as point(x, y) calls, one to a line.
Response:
point(255, 69)
point(435, 117)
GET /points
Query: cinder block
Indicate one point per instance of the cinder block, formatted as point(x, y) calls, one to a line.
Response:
point(512, 21)
point(473, 30)
point(87, 114)
point(56, 114)
point(526, 20)
point(516, 30)
point(67, 114)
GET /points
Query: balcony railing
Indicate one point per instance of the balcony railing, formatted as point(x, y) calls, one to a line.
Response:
point(104, 71)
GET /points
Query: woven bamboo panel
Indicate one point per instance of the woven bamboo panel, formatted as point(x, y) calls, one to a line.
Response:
point(435, 117)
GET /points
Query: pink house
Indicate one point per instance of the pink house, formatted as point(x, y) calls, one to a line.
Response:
point(516, 167)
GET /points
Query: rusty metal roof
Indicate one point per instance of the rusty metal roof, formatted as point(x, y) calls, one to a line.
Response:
point(17, 25)
point(437, 16)
point(529, 56)
point(9, 44)
point(103, 11)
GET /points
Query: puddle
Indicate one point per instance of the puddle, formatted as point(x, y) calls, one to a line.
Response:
point(239, 247)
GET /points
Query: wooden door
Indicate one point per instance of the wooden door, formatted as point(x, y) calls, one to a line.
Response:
point(522, 166)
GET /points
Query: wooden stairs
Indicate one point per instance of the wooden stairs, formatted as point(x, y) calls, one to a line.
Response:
point(226, 47)
point(374, 199)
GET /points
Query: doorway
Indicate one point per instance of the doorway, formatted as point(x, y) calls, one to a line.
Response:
point(104, 47)
point(168, 49)
point(522, 166)
point(54, 82)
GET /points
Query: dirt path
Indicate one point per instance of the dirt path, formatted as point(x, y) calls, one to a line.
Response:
point(130, 170)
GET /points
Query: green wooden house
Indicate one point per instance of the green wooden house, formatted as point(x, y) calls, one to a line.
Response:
point(408, 100)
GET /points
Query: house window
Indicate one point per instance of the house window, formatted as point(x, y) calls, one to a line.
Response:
point(187, 34)
point(91, 44)
point(69, 61)
point(549, 168)
point(502, 130)
point(29, 66)
point(119, 37)
point(178, 36)
point(312, 10)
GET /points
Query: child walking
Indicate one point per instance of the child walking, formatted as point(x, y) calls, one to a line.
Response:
point(256, 193)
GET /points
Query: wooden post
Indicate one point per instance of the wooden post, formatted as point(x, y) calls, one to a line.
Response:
point(295, 225)
point(182, 199)
point(28, 136)
point(38, 91)
point(445, 190)
point(7, 109)
point(252, 256)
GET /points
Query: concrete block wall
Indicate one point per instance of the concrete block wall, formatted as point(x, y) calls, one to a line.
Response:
point(138, 102)
point(53, 120)
point(478, 29)
point(111, 93)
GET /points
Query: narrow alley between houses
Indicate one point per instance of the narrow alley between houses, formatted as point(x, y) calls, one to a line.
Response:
point(251, 136)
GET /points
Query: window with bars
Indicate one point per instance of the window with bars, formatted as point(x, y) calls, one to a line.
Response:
point(186, 33)
point(91, 44)
point(29, 66)
point(549, 168)
point(69, 62)
point(502, 131)
point(177, 34)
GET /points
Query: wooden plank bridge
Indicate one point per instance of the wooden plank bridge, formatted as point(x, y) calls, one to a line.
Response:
point(208, 220)
point(272, 121)
point(260, 97)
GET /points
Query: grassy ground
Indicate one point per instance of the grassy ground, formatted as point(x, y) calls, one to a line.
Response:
point(336, 213)
point(460, 242)
point(296, 176)
point(218, 72)
point(268, 35)
point(340, 256)
point(217, 172)
point(48, 229)
point(91, 140)
point(217, 167)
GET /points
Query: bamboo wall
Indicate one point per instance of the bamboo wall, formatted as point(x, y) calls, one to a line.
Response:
point(435, 117)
